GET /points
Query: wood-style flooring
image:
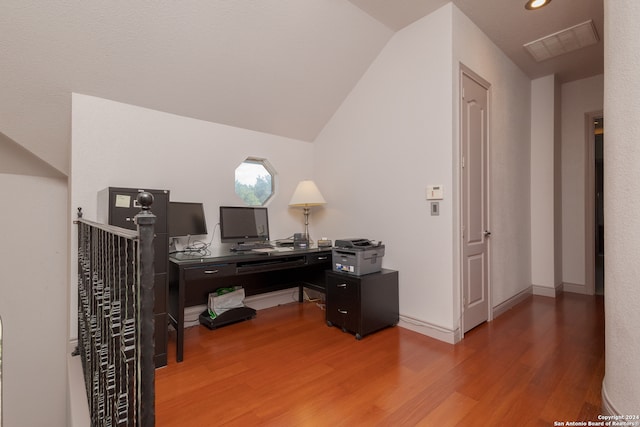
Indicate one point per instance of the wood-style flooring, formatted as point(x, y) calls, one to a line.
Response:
point(540, 362)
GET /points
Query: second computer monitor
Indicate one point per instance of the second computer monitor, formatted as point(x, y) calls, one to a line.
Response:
point(240, 224)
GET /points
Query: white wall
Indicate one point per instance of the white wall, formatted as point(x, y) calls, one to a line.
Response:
point(544, 253)
point(396, 133)
point(578, 99)
point(509, 155)
point(621, 385)
point(17, 160)
point(389, 140)
point(115, 144)
point(33, 300)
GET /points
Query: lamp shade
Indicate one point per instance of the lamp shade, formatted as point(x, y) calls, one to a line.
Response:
point(307, 194)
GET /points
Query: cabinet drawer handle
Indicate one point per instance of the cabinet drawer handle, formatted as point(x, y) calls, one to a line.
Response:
point(342, 311)
point(322, 258)
point(342, 285)
point(211, 271)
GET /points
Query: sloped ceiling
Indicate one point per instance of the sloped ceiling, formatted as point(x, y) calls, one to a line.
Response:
point(275, 66)
point(15, 159)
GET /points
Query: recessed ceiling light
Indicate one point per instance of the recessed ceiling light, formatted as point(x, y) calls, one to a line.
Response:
point(536, 4)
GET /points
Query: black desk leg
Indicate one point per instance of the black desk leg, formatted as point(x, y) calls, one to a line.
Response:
point(180, 321)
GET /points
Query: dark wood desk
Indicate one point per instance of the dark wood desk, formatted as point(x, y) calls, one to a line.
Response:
point(193, 277)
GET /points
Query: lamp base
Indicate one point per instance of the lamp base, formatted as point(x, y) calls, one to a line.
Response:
point(306, 227)
point(300, 241)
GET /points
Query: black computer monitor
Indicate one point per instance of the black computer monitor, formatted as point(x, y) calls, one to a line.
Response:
point(186, 219)
point(240, 224)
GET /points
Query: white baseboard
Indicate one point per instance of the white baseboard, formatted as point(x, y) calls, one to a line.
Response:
point(511, 302)
point(437, 332)
point(607, 406)
point(574, 288)
point(78, 406)
point(192, 315)
point(272, 299)
point(546, 291)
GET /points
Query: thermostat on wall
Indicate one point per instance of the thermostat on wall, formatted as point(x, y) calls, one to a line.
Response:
point(435, 192)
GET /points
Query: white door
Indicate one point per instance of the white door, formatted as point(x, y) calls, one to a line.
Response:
point(475, 213)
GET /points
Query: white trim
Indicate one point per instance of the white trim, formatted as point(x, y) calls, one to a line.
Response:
point(546, 291)
point(512, 302)
point(272, 299)
point(607, 406)
point(575, 288)
point(78, 406)
point(192, 315)
point(434, 331)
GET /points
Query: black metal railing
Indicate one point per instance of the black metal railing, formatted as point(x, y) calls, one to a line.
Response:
point(115, 319)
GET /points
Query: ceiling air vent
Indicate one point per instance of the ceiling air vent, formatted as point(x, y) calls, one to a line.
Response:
point(562, 42)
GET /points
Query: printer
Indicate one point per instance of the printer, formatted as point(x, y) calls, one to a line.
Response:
point(357, 256)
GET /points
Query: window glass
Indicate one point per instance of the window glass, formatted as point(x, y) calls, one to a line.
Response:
point(254, 181)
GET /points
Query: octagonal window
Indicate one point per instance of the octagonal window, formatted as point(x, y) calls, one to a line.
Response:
point(254, 181)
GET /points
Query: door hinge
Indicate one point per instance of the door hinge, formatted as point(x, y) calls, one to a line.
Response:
point(462, 162)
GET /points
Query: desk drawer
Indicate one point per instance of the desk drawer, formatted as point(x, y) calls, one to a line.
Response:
point(319, 258)
point(209, 270)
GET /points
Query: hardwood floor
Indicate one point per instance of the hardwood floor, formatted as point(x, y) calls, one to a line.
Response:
point(540, 362)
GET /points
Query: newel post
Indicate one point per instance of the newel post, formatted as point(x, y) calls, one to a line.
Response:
point(145, 221)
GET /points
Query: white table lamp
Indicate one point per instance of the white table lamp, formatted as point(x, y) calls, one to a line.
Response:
point(306, 196)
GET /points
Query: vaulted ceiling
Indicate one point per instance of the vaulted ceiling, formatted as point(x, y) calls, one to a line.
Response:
point(275, 66)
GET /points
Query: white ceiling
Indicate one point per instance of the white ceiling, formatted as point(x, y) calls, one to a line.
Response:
point(275, 66)
point(510, 26)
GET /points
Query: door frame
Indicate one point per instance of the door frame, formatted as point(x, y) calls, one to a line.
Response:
point(465, 70)
point(590, 202)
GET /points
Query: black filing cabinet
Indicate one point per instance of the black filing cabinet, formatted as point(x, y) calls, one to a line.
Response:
point(119, 206)
point(362, 304)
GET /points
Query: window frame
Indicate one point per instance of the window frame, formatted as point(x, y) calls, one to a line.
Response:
point(270, 171)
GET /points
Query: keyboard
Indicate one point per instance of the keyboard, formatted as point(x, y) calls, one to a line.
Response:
point(251, 246)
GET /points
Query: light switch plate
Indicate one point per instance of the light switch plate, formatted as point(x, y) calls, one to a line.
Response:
point(435, 208)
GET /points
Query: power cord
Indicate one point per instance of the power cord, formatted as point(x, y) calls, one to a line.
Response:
point(199, 247)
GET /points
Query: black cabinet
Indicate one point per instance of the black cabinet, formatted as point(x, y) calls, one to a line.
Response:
point(119, 206)
point(362, 304)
